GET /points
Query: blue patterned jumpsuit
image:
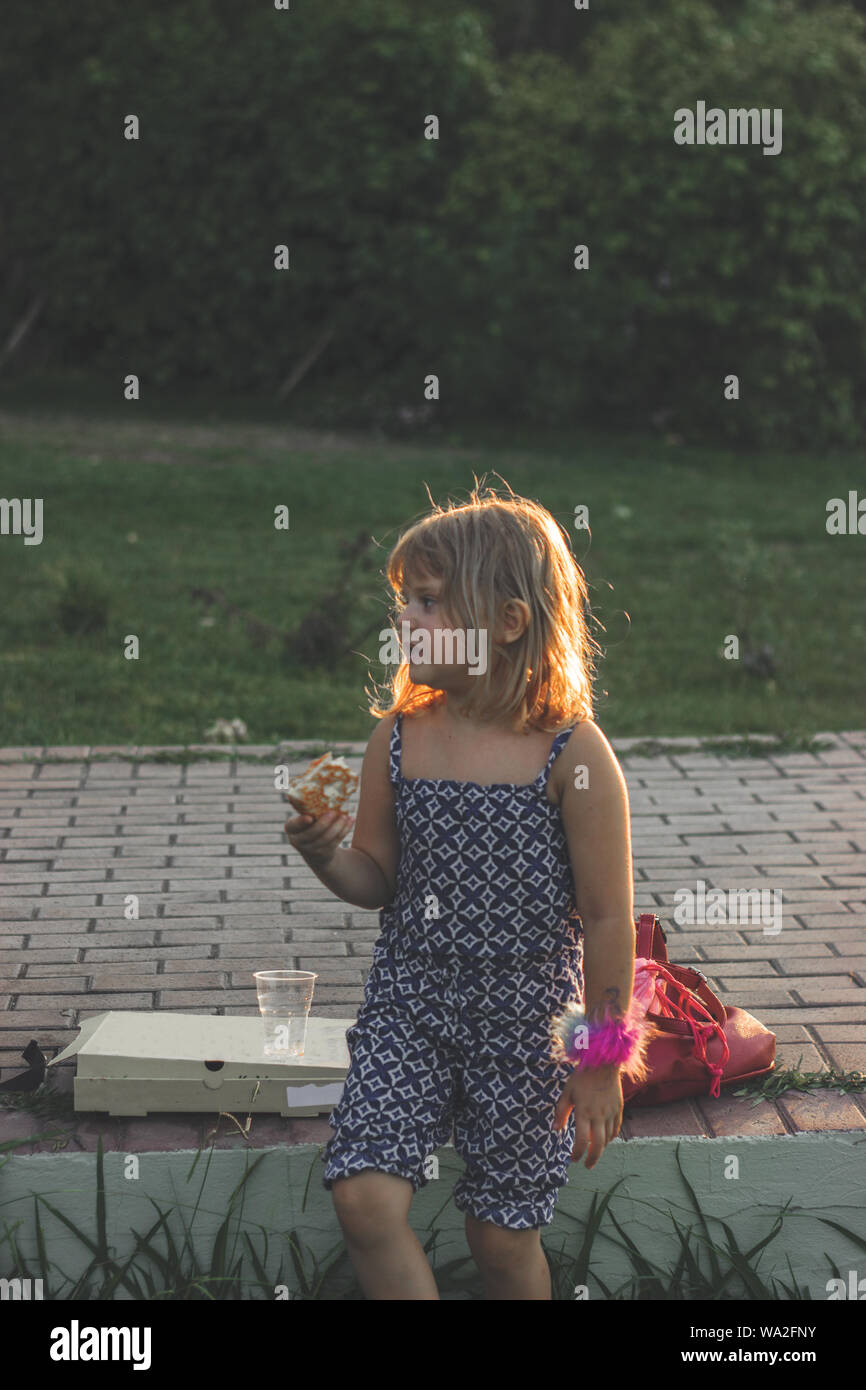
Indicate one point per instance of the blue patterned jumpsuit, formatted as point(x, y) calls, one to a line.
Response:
point(480, 947)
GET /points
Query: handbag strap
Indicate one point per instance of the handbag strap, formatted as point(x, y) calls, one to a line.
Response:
point(650, 938)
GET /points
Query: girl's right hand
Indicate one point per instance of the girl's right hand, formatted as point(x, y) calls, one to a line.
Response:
point(317, 839)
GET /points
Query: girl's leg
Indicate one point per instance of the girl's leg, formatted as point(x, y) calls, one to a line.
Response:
point(512, 1263)
point(386, 1255)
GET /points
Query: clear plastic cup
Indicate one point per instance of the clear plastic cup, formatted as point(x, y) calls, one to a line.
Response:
point(284, 1004)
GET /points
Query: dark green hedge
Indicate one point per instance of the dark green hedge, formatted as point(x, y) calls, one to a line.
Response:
point(455, 257)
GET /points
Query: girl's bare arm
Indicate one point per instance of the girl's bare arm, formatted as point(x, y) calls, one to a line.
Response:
point(596, 823)
point(366, 874)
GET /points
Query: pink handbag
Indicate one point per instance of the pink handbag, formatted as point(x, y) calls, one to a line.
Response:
point(705, 1045)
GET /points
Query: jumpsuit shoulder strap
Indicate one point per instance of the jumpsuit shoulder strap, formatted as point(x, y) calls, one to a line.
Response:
point(396, 750)
point(558, 744)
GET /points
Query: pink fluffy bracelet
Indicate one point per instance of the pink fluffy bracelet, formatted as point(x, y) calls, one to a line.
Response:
point(619, 1041)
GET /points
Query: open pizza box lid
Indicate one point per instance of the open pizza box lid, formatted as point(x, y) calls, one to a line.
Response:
point(135, 1063)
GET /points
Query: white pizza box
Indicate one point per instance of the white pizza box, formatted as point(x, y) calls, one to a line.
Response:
point(135, 1063)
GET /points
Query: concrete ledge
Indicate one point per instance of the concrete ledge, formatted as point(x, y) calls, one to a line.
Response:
point(742, 1181)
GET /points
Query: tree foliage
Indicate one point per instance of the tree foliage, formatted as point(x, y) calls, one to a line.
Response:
point(452, 256)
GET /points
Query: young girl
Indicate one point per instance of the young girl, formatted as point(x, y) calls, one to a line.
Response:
point(493, 834)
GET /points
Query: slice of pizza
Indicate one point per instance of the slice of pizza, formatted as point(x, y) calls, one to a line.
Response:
point(326, 785)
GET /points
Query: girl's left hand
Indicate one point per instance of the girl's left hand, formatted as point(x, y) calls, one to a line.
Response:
point(595, 1096)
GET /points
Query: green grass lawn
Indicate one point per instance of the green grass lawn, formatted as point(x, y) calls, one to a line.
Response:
point(691, 544)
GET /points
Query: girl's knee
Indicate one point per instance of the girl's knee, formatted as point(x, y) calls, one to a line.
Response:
point(497, 1249)
point(369, 1204)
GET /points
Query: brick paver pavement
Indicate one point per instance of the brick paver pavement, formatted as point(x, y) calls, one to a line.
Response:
point(221, 893)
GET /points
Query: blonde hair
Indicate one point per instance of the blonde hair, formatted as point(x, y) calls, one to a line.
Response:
point(487, 551)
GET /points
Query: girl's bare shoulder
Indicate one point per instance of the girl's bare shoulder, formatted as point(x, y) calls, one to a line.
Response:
point(380, 739)
point(589, 749)
point(379, 743)
point(377, 793)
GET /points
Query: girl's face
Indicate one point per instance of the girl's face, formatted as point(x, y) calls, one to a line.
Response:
point(428, 658)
